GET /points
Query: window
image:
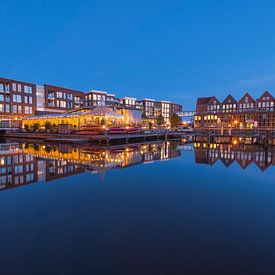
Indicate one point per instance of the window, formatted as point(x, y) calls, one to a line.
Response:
point(51, 94)
point(17, 98)
point(28, 110)
point(1, 107)
point(59, 94)
point(51, 103)
point(63, 104)
point(27, 89)
point(14, 108)
point(7, 108)
point(70, 96)
point(14, 87)
point(2, 97)
point(19, 88)
point(7, 87)
point(1, 87)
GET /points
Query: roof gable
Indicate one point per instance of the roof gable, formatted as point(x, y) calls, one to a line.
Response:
point(212, 99)
point(203, 100)
point(265, 95)
point(229, 99)
point(250, 98)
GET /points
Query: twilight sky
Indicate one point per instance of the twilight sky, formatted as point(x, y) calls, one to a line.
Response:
point(172, 50)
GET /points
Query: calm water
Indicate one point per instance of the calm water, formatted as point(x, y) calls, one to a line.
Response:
point(141, 209)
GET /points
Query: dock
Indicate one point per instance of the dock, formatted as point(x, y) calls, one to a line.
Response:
point(96, 139)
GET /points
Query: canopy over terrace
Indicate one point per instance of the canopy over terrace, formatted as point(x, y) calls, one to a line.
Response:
point(100, 116)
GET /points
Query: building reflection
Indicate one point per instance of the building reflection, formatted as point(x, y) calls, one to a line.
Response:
point(242, 154)
point(22, 164)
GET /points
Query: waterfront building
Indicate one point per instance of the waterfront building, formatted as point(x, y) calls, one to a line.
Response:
point(20, 99)
point(152, 109)
point(101, 117)
point(17, 99)
point(129, 102)
point(59, 99)
point(247, 113)
point(95, 98)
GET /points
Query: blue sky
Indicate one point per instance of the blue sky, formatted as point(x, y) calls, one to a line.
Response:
point(173, 50)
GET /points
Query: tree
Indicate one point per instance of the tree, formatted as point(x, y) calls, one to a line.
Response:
point(26, 127)
point(36, 126)
point(175, 120)
point(160, 120)
point(48, 125)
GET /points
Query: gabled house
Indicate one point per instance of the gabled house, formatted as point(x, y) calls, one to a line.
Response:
point(246, 103)
point(265, 102)
point(229, 105)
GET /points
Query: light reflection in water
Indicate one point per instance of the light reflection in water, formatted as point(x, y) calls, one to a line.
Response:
point(22, 164)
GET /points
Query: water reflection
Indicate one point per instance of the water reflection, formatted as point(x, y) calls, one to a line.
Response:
point(22, 164)
point(244, 155)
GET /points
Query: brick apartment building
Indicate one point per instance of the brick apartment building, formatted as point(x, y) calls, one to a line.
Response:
point(247, 113)
point(17, 99)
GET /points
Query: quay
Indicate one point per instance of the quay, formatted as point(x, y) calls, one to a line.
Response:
point(252, 136)
point(97, 139)
point(247, 136)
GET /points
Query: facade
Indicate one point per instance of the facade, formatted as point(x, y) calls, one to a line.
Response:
point(95, 98)
point(20, 99)
point(152, 109)
point(100, 118)
point(17, 99)
point(247, 113)
point(58, 99)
